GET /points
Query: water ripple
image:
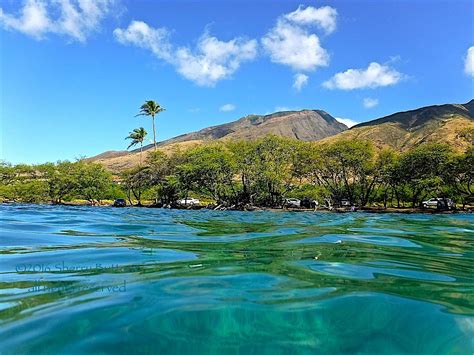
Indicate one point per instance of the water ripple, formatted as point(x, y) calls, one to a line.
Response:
point(206, 281)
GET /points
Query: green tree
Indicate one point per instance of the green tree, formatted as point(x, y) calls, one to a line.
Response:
point(20, 183)
point(135, 182)
point(8, 180)
point(61, 180)
point(460, 176)
point(347, 170)
point(160, 166)
point(137, 136)
point(302, 155)
point(168, 190)
point(243, 153)
point(209, 169)
point(423, 170)
point(151, 108)
point(268, 168)
point(93, 181)
point(161, 170)
point(388, 183)
point(271, 169)
point(7, 173)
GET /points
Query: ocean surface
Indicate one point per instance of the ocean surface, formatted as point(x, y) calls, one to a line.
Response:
point(81, 280)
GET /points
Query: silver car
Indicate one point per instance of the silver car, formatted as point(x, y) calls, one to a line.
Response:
point(438, 202)
point(292, 202)
point(189, 202)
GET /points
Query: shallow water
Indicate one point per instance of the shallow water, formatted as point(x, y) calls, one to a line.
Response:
point(98, 280)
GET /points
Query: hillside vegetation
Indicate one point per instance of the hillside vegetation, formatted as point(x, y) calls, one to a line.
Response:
point(449, 124)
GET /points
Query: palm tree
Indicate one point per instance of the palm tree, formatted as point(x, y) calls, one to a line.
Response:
point(137, 136)
point(151, 108)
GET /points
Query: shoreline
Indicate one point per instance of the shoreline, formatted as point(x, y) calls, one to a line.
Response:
point(375, 210)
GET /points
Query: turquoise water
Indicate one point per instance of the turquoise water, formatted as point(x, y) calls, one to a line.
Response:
point(101, 280)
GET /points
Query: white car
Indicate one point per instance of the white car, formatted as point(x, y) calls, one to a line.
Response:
point(438, 202)
point(189, 202)
point(292, 202)
point(345, 203)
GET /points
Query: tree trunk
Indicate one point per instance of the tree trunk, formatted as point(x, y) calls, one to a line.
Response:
point(154, 131)
point(397, 195)
point(138, 197)
point(141, 149)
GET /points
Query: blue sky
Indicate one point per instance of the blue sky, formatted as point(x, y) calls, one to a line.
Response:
point(74, 72)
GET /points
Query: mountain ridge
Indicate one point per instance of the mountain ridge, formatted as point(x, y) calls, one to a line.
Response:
point(401, 130)
point(307, 125)
point(467, 108)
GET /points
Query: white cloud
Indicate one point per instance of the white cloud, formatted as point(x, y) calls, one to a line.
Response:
point(76, 19)
point(285, 108)
point(33, 21)
point(347, 121)
point(323, 17)
point(282, 109)
point(293, 46)
point(211, 61)
point(290, 43)
point(374, 76)
point(370, 102)
point(227, 108)
point(301, 80)
point(141, 35)
point(469, 62)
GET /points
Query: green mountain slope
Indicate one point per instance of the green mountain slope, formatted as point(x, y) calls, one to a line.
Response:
point(448, 124)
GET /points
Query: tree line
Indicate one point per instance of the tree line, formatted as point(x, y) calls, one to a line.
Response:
point(260, 172)
point(56, 183)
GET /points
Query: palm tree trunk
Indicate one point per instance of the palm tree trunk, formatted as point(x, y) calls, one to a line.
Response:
point(141, 149)
point(154, 131)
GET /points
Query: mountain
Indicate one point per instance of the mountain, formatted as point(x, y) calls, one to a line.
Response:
point(404, 130)
point(401, 131)
point(307, 125)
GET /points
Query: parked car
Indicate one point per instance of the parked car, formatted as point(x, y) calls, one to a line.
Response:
point(345, 203)
point(292, 202)
point(439, 203)
point(120, 202)
point(189, 202)
point(309, 203)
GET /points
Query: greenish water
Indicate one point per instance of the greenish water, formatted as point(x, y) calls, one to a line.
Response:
point(102, 280)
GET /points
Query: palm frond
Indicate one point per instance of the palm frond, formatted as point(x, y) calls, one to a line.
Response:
point(133, 143)
point(137, 136)
point(150, 108)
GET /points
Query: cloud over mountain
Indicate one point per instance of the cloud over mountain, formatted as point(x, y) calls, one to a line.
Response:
point(301, 80)
point(227, 108)
point(370, 102)
point(375, 75)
